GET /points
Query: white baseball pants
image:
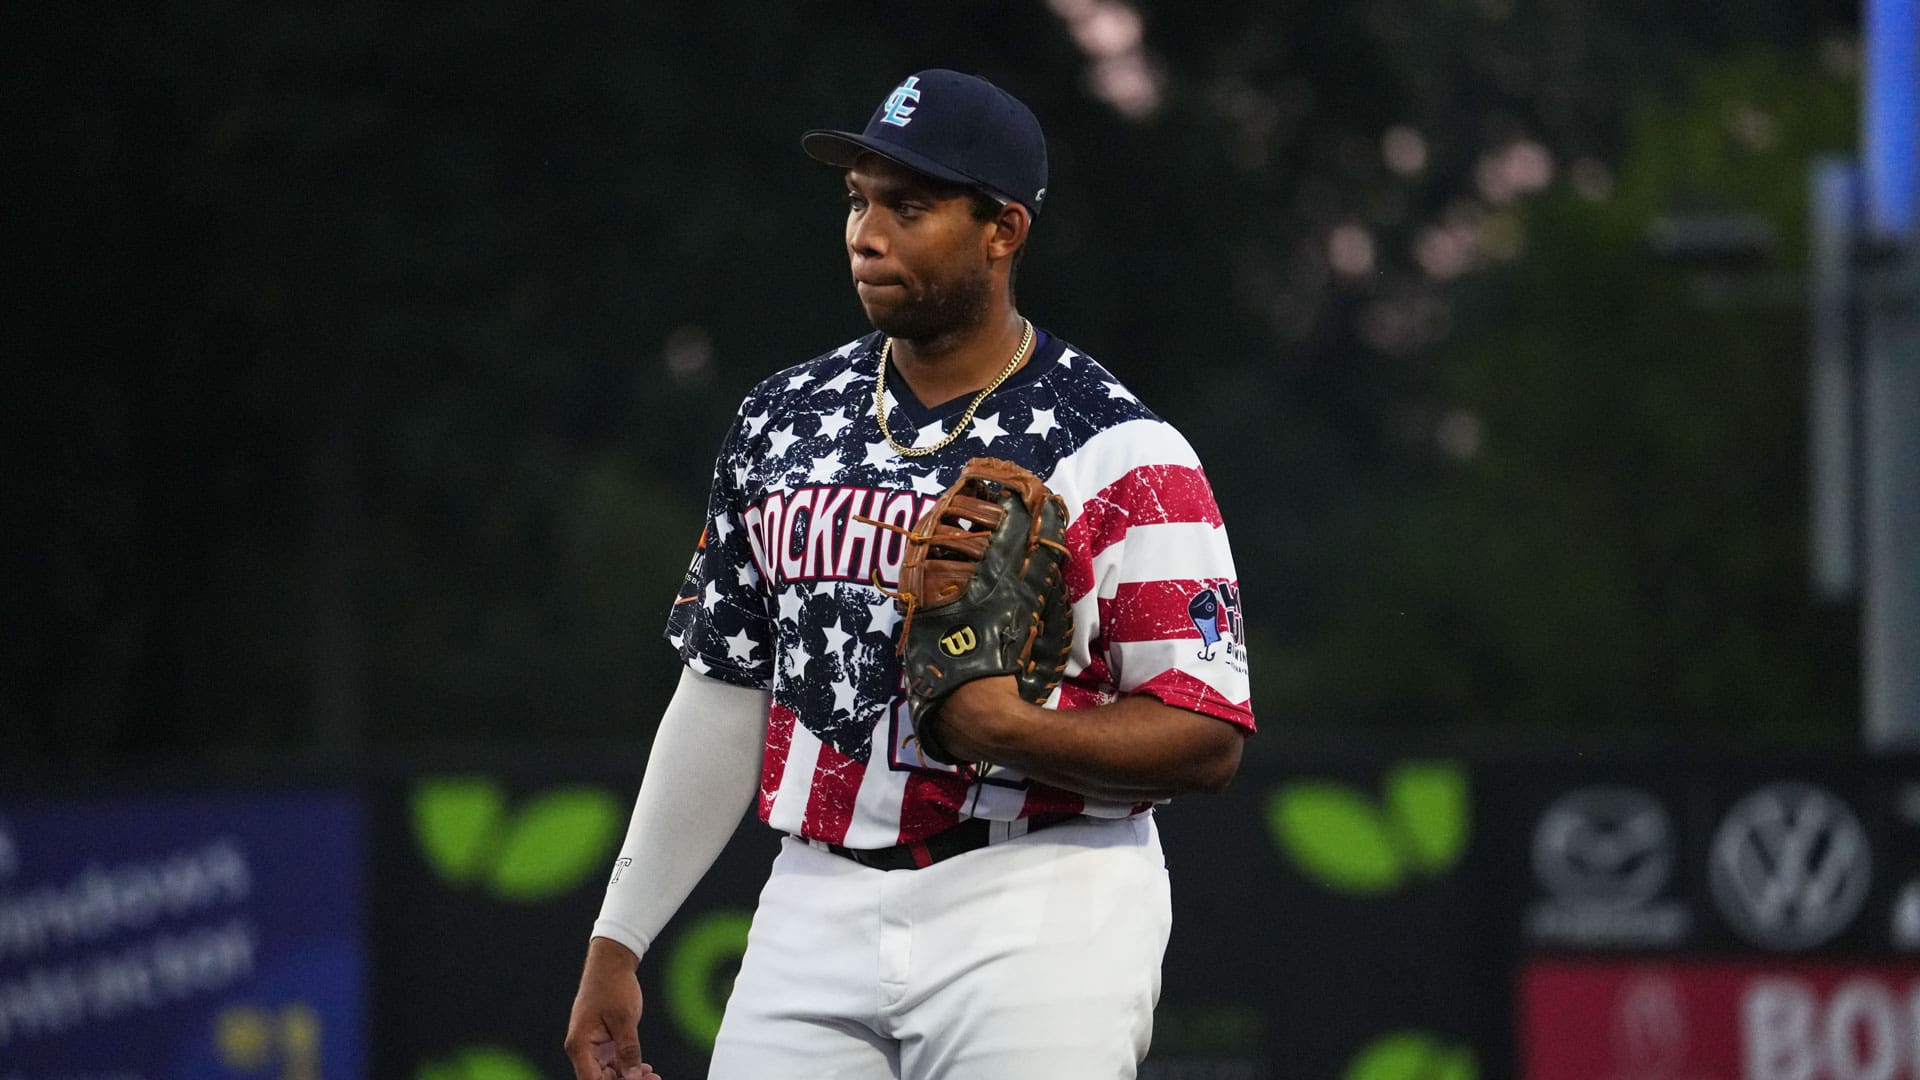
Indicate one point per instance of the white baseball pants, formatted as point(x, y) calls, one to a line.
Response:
point(1035, 957)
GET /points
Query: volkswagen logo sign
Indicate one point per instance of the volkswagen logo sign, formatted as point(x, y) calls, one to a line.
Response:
point(1610, 846)
point(1790, 866)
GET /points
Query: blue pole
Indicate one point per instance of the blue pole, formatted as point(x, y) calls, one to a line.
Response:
point(1890, 119)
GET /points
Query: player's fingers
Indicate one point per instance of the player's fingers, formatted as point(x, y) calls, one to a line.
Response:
point(626, 1044)
point(581, 1050)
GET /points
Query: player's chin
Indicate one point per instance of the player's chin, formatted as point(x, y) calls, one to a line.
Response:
point(891, 319)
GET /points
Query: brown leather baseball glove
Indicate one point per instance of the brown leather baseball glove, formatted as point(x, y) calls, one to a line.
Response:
point(983, 589)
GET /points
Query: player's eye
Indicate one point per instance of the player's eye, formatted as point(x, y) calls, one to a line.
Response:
point(855, 202)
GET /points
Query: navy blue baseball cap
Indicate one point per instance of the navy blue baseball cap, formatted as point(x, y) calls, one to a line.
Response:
point(954, 127)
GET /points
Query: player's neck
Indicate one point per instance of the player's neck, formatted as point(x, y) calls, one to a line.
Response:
point(941, 368)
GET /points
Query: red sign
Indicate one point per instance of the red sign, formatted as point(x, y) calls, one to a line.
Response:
point(1629, 1020)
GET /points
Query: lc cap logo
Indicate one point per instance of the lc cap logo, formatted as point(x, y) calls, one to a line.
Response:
point(898, 110)
point(550, 845)
point(1344, 840)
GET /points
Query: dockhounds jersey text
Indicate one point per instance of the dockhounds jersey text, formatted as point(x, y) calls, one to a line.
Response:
point(817, 533)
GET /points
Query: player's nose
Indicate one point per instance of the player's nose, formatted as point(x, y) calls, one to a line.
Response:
point(866, 236)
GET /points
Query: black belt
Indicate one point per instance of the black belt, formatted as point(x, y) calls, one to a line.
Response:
point(968, 835)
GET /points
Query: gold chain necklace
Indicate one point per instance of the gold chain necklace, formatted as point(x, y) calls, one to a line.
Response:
point(880, 397)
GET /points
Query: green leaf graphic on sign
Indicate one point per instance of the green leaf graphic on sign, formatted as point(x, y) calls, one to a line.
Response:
point(1412, 1055)
point(481, 1063)
point(1458, 1064)
point(693, 998)
point(556, 841)
point(1429, 802)
point(1335, 835)
point(456, 821)
point(1401, 1056)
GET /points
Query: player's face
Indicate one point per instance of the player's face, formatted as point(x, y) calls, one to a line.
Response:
point(919, 254)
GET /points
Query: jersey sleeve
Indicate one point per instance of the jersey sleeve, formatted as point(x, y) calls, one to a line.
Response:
point(1154, 579)
point(720, 622)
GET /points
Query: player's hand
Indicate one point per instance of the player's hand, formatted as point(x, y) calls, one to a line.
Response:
point(603, 1034)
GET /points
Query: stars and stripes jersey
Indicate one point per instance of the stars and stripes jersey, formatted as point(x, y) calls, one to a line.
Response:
point(784, 590)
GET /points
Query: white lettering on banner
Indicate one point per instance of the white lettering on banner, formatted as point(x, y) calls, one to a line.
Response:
point(1862, 1032)
point(130, 896)
point(48, 1001)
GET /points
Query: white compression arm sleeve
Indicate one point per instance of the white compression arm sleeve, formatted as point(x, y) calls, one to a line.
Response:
point(701, 777)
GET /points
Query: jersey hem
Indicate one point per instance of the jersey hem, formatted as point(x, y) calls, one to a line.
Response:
point(725, 671)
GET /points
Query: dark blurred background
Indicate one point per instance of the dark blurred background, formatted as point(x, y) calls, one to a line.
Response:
point(368, 362)
point(369, 359)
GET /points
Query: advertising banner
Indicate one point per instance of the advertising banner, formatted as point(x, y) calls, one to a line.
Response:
point(1328, 923)
point(1612, 1019)
point(181, 938)
point(489, 885)
point(1722, 858)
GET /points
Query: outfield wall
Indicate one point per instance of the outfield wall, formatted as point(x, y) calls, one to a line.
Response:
point(1355, 916)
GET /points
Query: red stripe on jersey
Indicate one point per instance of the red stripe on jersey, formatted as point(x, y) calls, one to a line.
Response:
point(1151, 610)
point(932, 805)
point(1042, 799)
point(1147, 495)
point(1184, 691)
point(1077, 695)
point(836, 781)
point(773, 763)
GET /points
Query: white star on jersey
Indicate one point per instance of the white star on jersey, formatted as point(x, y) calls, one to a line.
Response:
point(987, 429)
point(928, 484)
point(755, 423)
point(832, 425)
point(876, 614)
point(799, 381)
point(836, 638)
point(825, 469)
point(841, 381)
point(880, 456)
point(740, 646)
point(1043, 422)
point(779, 441)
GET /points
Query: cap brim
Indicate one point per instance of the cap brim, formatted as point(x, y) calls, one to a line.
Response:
point(843, 148)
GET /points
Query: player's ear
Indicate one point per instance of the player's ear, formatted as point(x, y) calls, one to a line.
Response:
point(1007, 232)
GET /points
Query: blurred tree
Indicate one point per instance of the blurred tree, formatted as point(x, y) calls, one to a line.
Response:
point(1613, 536)
point(379, 353)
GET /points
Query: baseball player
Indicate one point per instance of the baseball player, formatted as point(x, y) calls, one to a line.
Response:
point(923, 919)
